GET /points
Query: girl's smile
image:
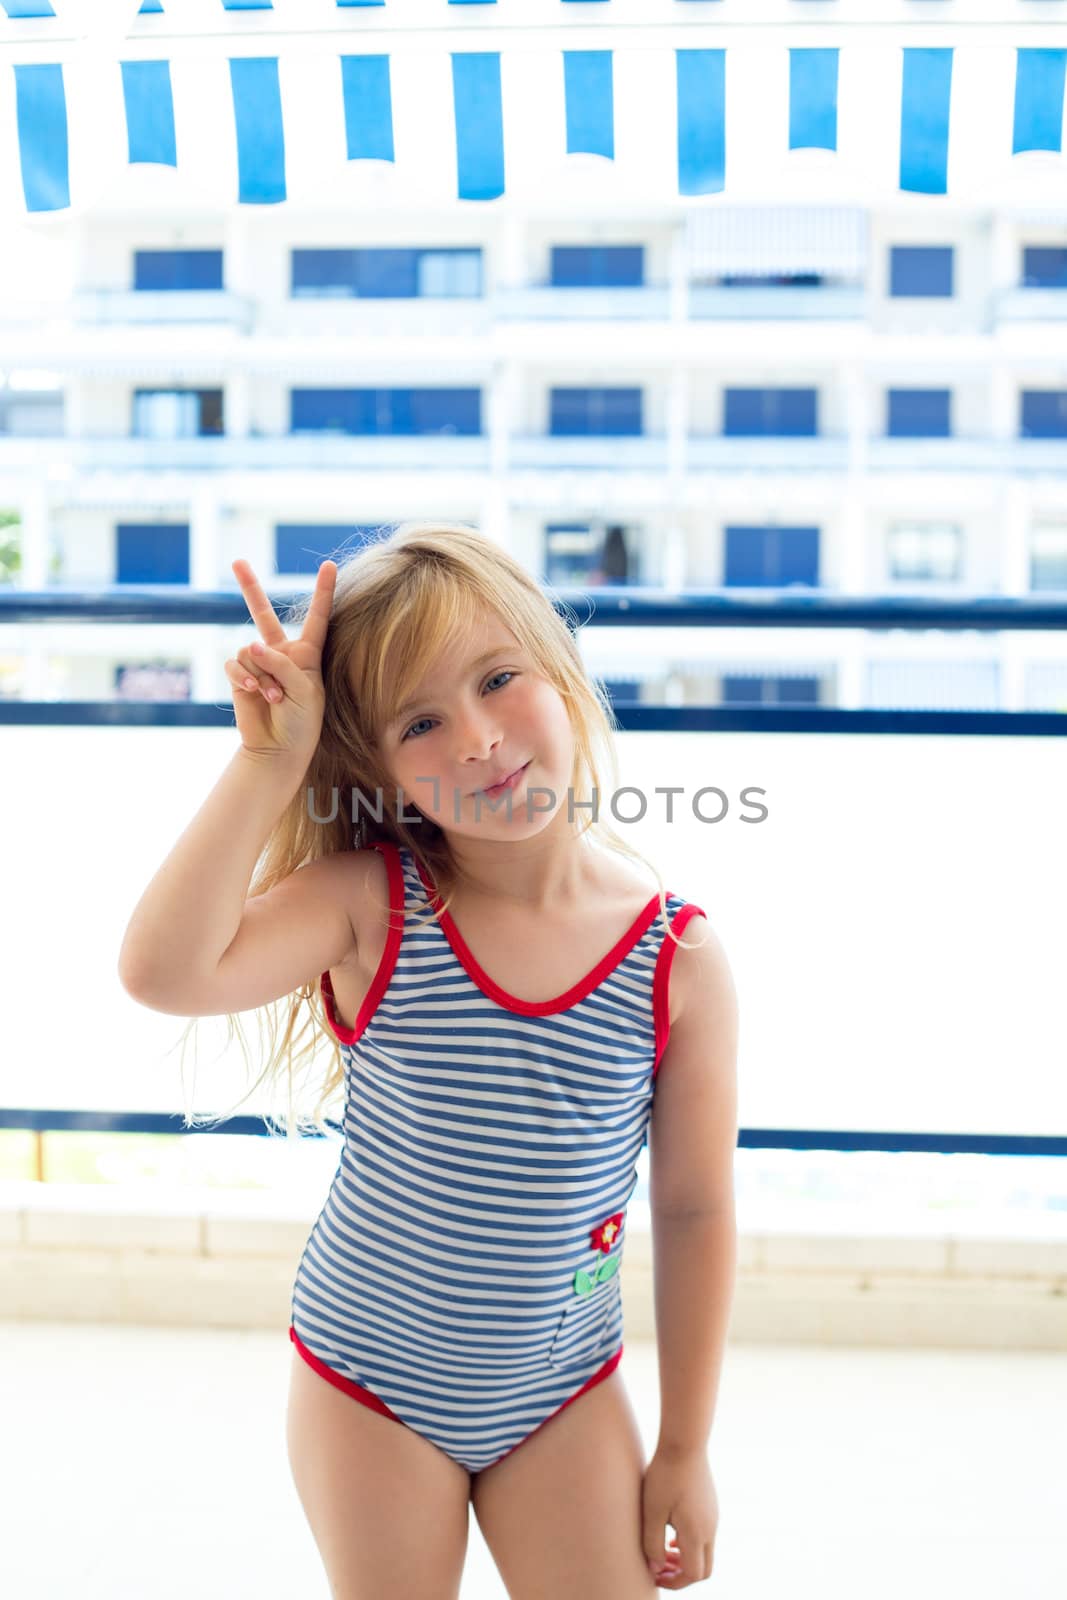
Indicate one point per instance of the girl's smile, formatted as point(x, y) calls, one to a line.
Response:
point(510, 782)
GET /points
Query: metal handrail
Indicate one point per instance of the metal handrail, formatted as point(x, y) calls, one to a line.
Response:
point(612, 606)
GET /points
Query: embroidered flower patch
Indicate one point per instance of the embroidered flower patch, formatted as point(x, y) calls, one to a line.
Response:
point(601, 1238)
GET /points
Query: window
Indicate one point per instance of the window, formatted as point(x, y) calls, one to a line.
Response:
point(771, 557)
point(1048, 557)
point(920, 271)
point(32, 413)
point(1044, 267)
point(1043, 414)
point(925, 551)
point(387, 274)
point(595, 411)
point(385, 411)
point(177, 269)
point(580, 554)
point(597, 266)
point(176, 413)
point(303, 546)
point(624, 691)
point(918, 414)
point(774, 412)
point(570, 553)
point(152, 552)
point(752, 689)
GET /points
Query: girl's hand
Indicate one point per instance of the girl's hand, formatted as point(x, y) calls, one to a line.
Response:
point(278, 695)
point(678, 1489)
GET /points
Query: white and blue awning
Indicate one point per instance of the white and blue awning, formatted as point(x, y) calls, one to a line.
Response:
point(338, 102)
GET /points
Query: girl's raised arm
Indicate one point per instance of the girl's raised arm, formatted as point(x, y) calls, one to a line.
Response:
point(193, 909)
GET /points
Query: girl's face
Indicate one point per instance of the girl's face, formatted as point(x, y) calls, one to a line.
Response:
point(482, 712)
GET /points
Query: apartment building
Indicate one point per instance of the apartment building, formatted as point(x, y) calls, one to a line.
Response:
point(762, 398)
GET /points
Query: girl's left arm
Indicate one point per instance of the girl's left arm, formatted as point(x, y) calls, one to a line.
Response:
point(692, 1138)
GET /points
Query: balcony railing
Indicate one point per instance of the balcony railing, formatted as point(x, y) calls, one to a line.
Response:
point(866, 893)
point(619, 453)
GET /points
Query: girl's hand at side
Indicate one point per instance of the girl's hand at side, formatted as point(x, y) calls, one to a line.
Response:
point(278, 696)
point(678, 1489)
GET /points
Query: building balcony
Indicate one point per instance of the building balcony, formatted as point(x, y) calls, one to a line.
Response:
point(565, 453)
point(820, 302)
point(1031, 305)
point(285, 452)
point(539, 302)
point(714, 452)
point(96, 306)
point(59, 455)
point(988, 455)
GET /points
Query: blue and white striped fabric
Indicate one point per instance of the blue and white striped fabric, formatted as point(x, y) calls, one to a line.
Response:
point(227, 102)
point(462, 1274)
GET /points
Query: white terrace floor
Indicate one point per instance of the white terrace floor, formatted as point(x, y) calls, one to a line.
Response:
point(143, 1463)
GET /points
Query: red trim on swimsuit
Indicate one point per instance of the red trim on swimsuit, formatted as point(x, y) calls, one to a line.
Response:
point(371, 1400)
point(389, 954)
point(339, 1381)
point(537, 1008)
point(661, 1009)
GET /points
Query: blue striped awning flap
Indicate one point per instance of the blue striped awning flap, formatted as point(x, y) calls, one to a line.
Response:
point(658, 124)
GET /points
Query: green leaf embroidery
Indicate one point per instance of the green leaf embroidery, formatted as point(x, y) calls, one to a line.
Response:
point(583, 1283)
point(608, 1268)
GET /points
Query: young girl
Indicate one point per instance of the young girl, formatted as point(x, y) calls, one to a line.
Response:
point(511, 1012)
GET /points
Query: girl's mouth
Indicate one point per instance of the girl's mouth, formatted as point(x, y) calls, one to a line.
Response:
point(508, 783)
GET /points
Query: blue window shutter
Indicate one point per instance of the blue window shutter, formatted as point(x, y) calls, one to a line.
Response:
point(1043, 414)
point(147, 552)
point(177, 269)
point(919, 413)
point(920, 270)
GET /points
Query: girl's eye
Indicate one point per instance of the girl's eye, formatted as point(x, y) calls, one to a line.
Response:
point(502, 674)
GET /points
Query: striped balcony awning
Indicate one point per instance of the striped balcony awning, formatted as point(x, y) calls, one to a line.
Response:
point(164, 103)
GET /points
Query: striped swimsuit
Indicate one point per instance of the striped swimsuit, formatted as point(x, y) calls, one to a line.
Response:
point(462, 1276)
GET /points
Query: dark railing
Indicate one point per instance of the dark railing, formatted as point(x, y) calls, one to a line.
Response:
point(603, 607)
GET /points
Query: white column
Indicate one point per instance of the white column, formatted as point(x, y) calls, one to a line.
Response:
point(34, 535)
point(852, 556)
point(677, 430)
point(678, 297)
point(509, 264)
point(1012, 659)
point(237, 405)
point(855, 387)
point(204, 538)
point(493, 515)
point(1004, 406)
point(673, 558)
point(208, 682)
point(238, 261)
point(1015, 518)
point(500, 400)
point(851, 674)
point(1005, 257)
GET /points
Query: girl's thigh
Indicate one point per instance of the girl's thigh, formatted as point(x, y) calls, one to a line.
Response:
point(388, 1510)
point(561, 1514)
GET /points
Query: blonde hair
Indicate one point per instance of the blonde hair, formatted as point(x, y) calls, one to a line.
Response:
point(397, 602)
